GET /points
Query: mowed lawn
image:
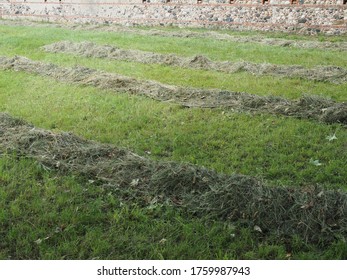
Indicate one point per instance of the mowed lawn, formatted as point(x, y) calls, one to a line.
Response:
point(49, 215)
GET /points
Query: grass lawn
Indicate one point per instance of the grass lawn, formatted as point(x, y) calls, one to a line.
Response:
point(49, 215)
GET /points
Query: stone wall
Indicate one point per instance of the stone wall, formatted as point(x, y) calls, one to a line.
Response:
point(312, 16)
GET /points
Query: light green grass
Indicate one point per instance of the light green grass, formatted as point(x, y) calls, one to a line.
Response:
point(261, 85)
point(35, 203)
point(18, 41)
point(276, 148)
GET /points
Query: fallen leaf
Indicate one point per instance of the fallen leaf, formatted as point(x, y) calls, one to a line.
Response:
point(331, 137)
point(163, 241)
point(257, 228)
point(315, 162)
point(38, 241)
point(135, 182)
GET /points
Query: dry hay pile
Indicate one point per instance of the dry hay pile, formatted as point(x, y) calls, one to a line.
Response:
point(311, 107)
point(314, 213)
point(331, 74)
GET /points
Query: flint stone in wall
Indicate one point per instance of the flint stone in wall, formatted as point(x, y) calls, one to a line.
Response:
point(302, 20)
point(188, 13)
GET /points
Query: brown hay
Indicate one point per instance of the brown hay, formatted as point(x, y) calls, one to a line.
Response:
point(89, 49)
point(316, 108)
point(315, 214)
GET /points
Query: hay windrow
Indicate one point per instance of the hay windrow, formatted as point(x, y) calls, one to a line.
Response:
point(258, 39)
point(316, 214)
point(311, 107)
point(89, 49)
point(215, 35)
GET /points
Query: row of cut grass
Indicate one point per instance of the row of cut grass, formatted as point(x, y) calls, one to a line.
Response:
point(18, 41)
point(244, 82)
point(47, 215)
point(44, 215)
point(226, 142)
point(320, 37)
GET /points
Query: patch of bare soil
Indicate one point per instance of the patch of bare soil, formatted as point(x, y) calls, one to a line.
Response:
point(89, 49)
point(311, 107)
point(314, 213)
point(258, 39)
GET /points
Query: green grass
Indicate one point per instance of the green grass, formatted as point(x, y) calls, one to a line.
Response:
point(82, 221)
point(44, 215)
point(226, 142)
point(244, 82)
point(321, 37)
point(18, 41)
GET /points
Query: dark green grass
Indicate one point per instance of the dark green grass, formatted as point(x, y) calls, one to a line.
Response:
point(44, 215)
